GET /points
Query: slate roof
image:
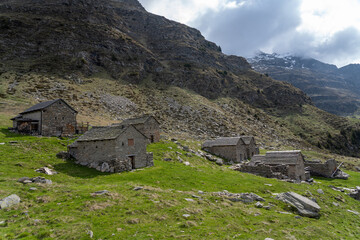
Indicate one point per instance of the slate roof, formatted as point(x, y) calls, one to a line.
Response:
point(283, 157)
point(247, 139)
point(223, 141)
point(102, 133)
point(43, 105)
point(138, 120)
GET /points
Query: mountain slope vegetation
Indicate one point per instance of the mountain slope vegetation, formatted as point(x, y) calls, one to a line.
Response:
point(112, 60)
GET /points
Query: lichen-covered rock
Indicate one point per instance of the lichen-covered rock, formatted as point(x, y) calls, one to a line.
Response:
point(9, 201)
point(304, 205)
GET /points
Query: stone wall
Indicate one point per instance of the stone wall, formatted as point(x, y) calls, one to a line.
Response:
point(226, 152)
point(276, 171)
point(150, 129)
point(58, 120)
point(317, 168)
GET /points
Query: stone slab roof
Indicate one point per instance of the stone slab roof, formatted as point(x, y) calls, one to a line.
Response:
point(247, 139)
point(283, 157)
point(43, 105)
point(138, 120)
point(102, 133)
point(223, 141)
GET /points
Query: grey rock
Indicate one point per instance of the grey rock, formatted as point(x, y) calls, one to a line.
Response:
point(189, 199)
point(178, 153)
point(33, 189)
point(9, 201)
point(46, 170)
point(41, 180)
point(336, 204)
point(269, 239)
point(200, 192)
point(102, 192)
point(341, 175)
point(194, 196)
point(137, 188)
point(354, 212)
point(167, 159)
point(187, 163)
point(320, 191)
point(259, 205)
point(267, 207)
point(180, 159)
point(90, 233)
point(357, 169)
point(304, 205)
point(298, 217)
point(105, 167)
point(188, 154)
point(355, 194)
point(186, 215)
point(3, 223)
point(23, 179)
point(219, 162)
point(186, 148)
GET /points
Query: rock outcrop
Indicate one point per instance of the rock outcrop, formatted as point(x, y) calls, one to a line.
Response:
point(304, 205)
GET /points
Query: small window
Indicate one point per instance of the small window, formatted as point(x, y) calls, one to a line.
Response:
point(95, 146)
point(55, 118)
point(63, 118)
point(122, 144)
point(130, 142)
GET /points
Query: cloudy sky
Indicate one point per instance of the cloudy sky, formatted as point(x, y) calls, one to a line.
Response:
point(328, 30)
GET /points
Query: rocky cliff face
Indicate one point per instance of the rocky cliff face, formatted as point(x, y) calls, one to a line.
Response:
point(86, 37)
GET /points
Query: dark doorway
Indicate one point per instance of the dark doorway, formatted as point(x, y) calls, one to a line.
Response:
point(152, 138)
point(132, 159)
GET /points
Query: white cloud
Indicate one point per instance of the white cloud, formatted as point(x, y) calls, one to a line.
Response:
point(325, 29)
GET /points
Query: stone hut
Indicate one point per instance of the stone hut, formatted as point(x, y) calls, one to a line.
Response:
point(278, 164)
point(233, 149)
point(328, 169)
point(112, 149)
point(51, 118)
point(147, 125)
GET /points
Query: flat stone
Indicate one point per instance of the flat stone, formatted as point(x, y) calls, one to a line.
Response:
point(304, 205)
point(46, 170)
point(101, 192)
point(200, 192)
point(269, 239)
point(186, 215)
point(3, 223)
point(336, 204)
point(137, 188)
point(33, 189)
point(21, 180)
point(167, 159)
point(189, 199)
point(219, 162)
point(187, 163)
point(320, 191)
point(354, 212)
point(9, 201)
point(259, 205)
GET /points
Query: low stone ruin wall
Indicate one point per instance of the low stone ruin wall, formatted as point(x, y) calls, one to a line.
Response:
point(112, 166)
point(317, 168)
point(277, 171)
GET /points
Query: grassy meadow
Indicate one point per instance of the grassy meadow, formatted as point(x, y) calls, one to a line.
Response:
point(67, 209)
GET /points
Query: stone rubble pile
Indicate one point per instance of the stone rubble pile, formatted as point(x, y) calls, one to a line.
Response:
point(240, 197)
point(26, 180)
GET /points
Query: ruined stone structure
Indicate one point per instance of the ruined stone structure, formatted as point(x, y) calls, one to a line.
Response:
point(112, 149)
point(147, 125)
point(51, 118)
point(329, 169)
point(317, 168)
point(233, 149)
point(277, 164)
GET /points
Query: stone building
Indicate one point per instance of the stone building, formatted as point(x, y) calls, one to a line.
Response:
point(112, 149)
point(328, 169)
point(51, 118)
point(233, 149)
point(147, 125)
point(277, 164)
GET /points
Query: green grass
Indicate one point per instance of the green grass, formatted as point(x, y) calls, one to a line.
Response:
point(67, 210)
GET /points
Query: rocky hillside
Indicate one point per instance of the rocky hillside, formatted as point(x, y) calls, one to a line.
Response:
point(331, 89)
point(85, 37)
point(112, 60)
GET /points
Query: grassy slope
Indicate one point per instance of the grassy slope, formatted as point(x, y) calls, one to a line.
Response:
point(66, 209)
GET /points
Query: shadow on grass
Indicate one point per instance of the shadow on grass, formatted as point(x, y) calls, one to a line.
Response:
point(9, 134)
point(74, 170)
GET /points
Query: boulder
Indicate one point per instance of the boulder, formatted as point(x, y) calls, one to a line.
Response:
point(219, 162)
point(355, 194)
point(105, 167)
point(9, 201)
point(341, 175)
point(304, 205)
point(46, 170)
point(63, 155)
